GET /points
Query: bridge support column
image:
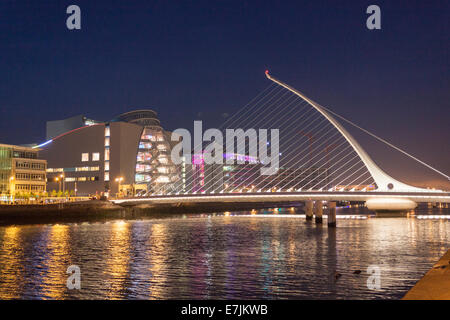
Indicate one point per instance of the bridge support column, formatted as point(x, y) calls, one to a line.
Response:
point(332, 214)
point(309, 210)
point(318, 210)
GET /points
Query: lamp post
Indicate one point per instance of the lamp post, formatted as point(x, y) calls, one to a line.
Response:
point(59, 183)
point(12, 189)
point(63, 182)
point(119, 180)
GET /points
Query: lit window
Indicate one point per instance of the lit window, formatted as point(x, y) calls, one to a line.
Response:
point(162, 179)
point(107, 132)
point(106, 154)
point(163, 170)
point(163, 160)
point(162, 147)
point(106, 176)
point(107, 166)
point(85, 157)
point(96, 156)
point(107, 142)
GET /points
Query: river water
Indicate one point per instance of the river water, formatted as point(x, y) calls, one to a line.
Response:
point(268, 254)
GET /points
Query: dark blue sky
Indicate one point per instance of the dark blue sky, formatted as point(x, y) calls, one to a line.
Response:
point(197, 59)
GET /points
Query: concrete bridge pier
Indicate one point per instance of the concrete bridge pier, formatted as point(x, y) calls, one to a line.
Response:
point(318, 210)
point(309, 210)
point(332, 214)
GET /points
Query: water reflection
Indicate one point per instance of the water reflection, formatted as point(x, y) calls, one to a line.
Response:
point(221, 257)
point(53, 283)
point(157, 267)
point(117, 262)
point(11, 275)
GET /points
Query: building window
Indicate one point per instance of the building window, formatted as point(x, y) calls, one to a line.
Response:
point(38, 166)
point(37, 188)
point(85, 157)
point(162, 147)
point(163, 160)
point(38, 177)
point(162, 179)
point(163, 170)
point(96, 156)
point(22, 165)
point(22, 176)
point(106, 157)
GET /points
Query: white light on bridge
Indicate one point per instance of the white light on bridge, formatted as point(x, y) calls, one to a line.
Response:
point(434, 216)
point(273, 215)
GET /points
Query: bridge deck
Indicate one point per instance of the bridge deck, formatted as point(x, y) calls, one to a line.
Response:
point(418, 197)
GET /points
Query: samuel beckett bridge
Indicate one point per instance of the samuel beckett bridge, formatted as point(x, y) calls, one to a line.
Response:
point(318, 161)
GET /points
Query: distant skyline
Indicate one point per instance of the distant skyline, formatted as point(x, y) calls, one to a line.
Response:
point(202, 60)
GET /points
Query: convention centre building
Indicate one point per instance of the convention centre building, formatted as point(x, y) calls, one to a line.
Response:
point(129, 154)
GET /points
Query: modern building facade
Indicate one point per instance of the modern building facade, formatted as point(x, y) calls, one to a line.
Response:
point(153, 163)
point(244, 176)
point(21, 171)
point(118, 157)
point(202, 177)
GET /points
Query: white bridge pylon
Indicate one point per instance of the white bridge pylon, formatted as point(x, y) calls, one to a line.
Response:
point(383, 180)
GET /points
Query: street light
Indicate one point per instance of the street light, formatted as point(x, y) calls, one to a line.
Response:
point(63, 181)
point(119, 180)
point(59, 184)
point(12, 189)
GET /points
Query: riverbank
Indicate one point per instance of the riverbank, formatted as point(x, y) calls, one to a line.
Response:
point(59, 212)
point(97, 210)
point(435, 285)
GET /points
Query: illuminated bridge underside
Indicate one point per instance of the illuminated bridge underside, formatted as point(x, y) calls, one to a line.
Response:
point(417, 197)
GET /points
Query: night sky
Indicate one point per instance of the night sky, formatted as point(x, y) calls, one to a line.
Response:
point(196, 60)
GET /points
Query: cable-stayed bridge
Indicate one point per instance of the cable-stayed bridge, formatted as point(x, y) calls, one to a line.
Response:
point(319, 160)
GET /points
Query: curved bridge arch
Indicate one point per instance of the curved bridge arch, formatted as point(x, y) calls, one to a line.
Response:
point(383, 180)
